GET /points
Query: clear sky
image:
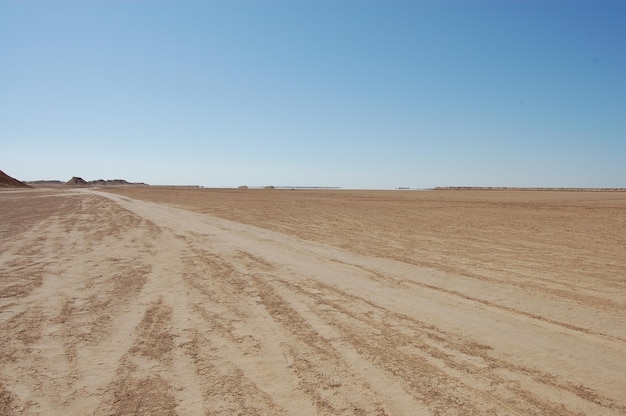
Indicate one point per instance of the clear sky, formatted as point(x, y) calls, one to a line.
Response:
point(355, 94)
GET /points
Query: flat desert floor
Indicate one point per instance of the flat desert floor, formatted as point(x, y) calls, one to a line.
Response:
point(155, 301)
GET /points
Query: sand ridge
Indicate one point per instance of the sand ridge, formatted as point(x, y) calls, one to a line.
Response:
point(114, 305)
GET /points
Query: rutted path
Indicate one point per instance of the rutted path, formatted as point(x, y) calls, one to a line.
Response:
point(111, 305)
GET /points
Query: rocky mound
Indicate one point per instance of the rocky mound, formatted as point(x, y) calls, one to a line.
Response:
point(106, 182)
point(76, 181)
point(8, 182)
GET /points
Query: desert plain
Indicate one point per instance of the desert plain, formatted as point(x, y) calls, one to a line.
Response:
point(174, 301)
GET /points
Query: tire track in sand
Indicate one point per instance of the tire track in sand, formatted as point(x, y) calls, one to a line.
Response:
point(147, 309)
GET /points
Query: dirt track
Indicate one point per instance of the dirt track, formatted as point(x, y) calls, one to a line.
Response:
point(337, 303)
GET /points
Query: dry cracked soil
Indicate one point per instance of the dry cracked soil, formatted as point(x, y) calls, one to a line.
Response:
point(157, 301)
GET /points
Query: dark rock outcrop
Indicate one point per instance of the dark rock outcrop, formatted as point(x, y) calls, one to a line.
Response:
point(8, 182)
point(76, 181)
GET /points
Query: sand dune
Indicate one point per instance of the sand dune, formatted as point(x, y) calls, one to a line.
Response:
point(163, 302)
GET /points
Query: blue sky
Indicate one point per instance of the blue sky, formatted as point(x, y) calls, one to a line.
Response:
point(355, 94)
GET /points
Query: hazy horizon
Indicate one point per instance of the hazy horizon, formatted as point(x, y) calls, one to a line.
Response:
point(375, 95)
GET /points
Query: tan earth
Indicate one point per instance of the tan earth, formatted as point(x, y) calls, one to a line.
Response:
point(158, 301)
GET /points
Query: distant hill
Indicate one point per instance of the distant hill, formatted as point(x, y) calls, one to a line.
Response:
point(78, 181)
point(44, 183)
point(109, 182)
point(8, 182)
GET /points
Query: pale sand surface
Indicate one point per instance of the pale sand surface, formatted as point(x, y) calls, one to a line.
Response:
point(170, 301)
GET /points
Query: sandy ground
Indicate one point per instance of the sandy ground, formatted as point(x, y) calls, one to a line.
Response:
point(312, 302)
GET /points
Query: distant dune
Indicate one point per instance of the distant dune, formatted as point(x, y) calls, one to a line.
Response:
point(8, 182)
